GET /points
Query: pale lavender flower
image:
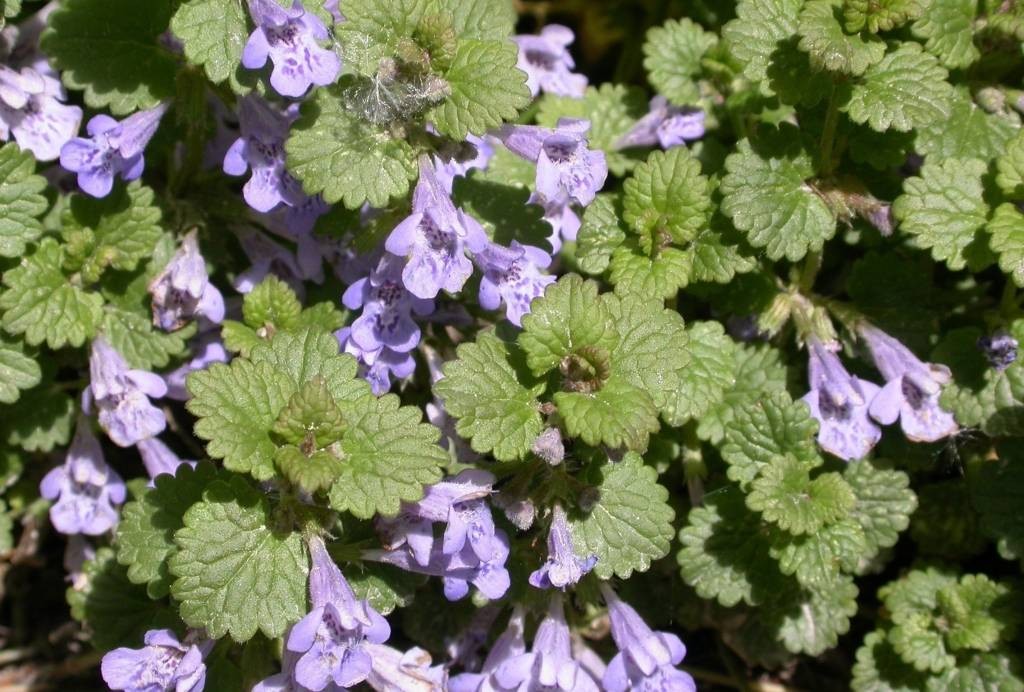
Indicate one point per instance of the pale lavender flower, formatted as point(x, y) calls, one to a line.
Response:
point(331, 639)
point(260, 148)
point(548, 64)
point(1000, 349)
point(84, 488)
point(377, 366)
point(549, 664)
point(267, 257)
point(207, 350)
point(183, 290)
point(646, 660)
point(457, 571)
point(289, 38)
point(549, 446)
point(387, 308)
point(457, 501)
point(510, 645)
point(77, 552)
point(285, 680)
point(562, 568)
point(163, 664)
point(405, 671)
point(31, 111)
point(433, 239)
point(447, 169)
point(665, 125)
point(158, 458)
point(122, 396)
point(911, 391)
point(113, 148)
point(839, 402)
point(512, 275)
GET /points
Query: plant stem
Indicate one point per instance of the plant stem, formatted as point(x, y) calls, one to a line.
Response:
point(828, 135)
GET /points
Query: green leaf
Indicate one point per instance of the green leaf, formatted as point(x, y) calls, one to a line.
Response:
point(482, 389)
point(1010, 168)
point(145, 535)
point(619, 414)
point(271, 303)
point(786, 495)
point(40, 421)
point(829, 46)
point(724, 552)
point(313, 352)
point(117, 612)
point(709, 374)
point(979, 613)
point(812, 621)
point(656, 276)
point(502, 210)
point(389, 455)
point(910, 602)
point(880, 669)
point(334, 153)
point(601, 232)
point(113, 51)
point(764, 428)
point(993, 671)
point(884, 502)
point(879, 15)
point(906, 89)
point(611, 109)
point(236, 571)
point(944, 523)
point(489, 20)
point(43, 304)
point(944, 211)
point(672, 58)
point(311, 418)
point(667, 198)
point(569, 315)
point(212, 33)
point(373, 28)
point(384, 586)
point(948, 26)
point(816, 559)
point(17, 371)
point(21, 205)
point(997, 490)
point(1006, 229)
point(968, 132)
point(486, 89)
point(630, 525)
point(760, 26)
point(771, 201)
point(138, 341)
point(239, 338)
point(758, 373)
point(11, 8)
point(312, 471)
point(236, 406)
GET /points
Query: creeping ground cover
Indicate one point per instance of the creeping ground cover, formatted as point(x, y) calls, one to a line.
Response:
point(494, 345)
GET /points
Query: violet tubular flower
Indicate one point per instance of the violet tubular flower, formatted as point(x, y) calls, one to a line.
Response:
point(549, 665)
point(206, 351)
point(548, 65)
point(163, 663)
point(331, 639)
point(267, 257)
point(113, 148)
point(511, 644)
point(911, 391)
point(839, 402)
point(377, 366)
point(562, 567)
point(646, 660)
point(159, 459)
point(289, 38)
point(183, 290)
point(1000, 349)
point(664, 125)
point(512, 275)
point(122, 396)
point(84, 488)
point(31, 111)
point(387, 307)
point(433, 239)
point(408, 671)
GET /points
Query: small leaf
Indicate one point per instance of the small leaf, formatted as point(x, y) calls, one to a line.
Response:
point(879, 15)
point(236, 572)
point(601, 232)
point(880, 669)
point(707, 377)
point(760, 26)
point(667, 198)
point(812, 621)
point(17, 371)
point(830, 47)
point(310, 418)
point(786, 495)
point(884, 502)
point(631, 523)
point(655, 276)
point(1010, 168)
point(384, 586)
point(21, 205)
point(41, 420)
point(758, 373)
point(816, 559)
point(271, 304)
point(618, 415)
point(968, 132)
point(372, 29)
point(948, 26)
point(672, 57)
point(212, 33)
point(312, 472)
point(1006, 228)
point(135, 338)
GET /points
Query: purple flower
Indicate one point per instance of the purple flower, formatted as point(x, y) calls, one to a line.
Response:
point(84, 487)
point(549, 665)
point(459, 501)
point(163, 664)
point(646, 660)
point(112, 148)
point(260, 147)
point(387, 306)
point(911, 390)
point(407, 671)
point(665, 125)
point(377, 366)
point(447, 169)
point(562, 568)
point(509, 645)
point(512, 275)
point(1000, 349)
point(183, 289)
point(839, 402)
point(207, 351)
point(433, 239)
point(289, 38)
point(331, 638)
point(158, 458)
point(267, 257)
point(457, 571)
point(77, 552)
point(122, 396)
point(548, 64)
point(285, 680)
point(31, 111)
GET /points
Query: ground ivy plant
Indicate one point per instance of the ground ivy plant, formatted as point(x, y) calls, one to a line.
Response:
point(477, 345)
